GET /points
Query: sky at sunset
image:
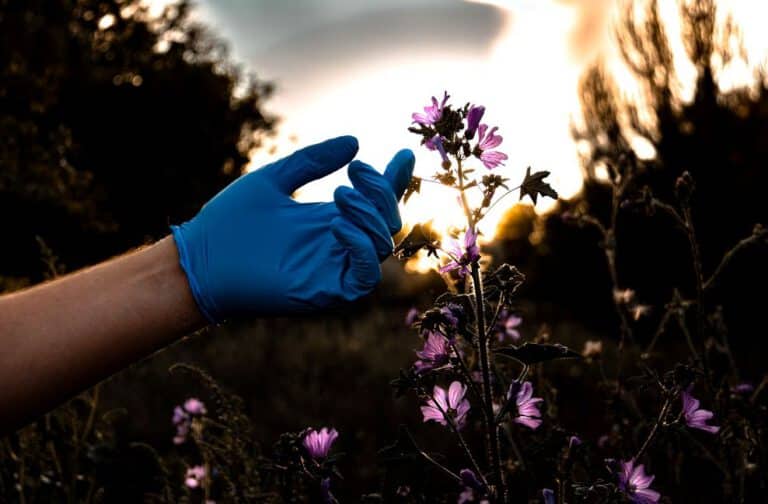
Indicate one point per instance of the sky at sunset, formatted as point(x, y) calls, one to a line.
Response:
point(362, 68)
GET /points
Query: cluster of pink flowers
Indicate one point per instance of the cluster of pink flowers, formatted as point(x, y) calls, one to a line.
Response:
point(183, 416)
point(487, 139)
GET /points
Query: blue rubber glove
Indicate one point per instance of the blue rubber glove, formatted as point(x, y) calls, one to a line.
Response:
point(252, 249)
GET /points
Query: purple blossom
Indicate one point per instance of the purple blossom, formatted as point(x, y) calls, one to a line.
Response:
point(548, 495)
point(473, 489)
point(463, 256)
point(452, 402)
point(634, 483)
point(452, 312)
point(573, 441)
point(486, 141)
point(412, 316)
point(528, 413)
point(432, 113)
point(506, 326)
point(195, 476)
point(436, 143)
point(695, 417)
point(435, 354)
point(318, 443)
point(474, 116)
point(195, 406)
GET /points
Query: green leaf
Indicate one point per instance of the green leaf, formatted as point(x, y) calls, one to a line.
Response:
point(533, 185)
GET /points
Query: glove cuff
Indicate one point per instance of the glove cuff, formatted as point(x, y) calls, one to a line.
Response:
point(205, 305)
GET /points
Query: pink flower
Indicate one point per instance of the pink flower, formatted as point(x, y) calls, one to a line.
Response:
point(412, 316)
point(195, 406)
point(463, 256)
point(447, 406)
point(506, 326)
point(436, 353)
point(318, 443)
point(528, 413)
point(486, 141)
point(195, 476)
point(696, 418)
point(432, 113)
point(634, 483)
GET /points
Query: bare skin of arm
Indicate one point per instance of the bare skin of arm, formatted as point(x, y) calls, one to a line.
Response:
point(97, 321)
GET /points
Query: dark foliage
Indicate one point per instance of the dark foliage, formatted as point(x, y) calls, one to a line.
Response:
point(113, 124)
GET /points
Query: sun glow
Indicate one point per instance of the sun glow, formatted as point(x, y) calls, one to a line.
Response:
point(529, 100)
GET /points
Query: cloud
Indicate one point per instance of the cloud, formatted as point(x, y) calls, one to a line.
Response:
point(309, 40)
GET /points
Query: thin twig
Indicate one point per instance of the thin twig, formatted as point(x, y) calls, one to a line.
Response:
point(758, 235)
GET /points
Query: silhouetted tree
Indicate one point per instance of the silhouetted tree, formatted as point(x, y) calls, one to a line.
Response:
point(112, 124)
point(717, 134)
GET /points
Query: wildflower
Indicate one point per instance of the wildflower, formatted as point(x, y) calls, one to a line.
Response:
point(436, 143)
point(474, 116)
point(506, 326)
point(486, 141)
point(435, 354)
point(183, 416)
point(548, 495)
point(412, 316)
point(432, 113)
point(696, 418)
point(452, 313)
point(445, 406)
point(592, 348)
point(528, 413)
point(634, 483)
point(195, 476)
point(318, 443)
point(195, 406)
point(473, 489)
point(464, 256)
point(573, 441)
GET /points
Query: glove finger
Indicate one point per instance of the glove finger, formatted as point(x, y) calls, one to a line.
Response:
point(311, 163)
point(363, 273)
point(399, 171)
point(361, 212)
point(378, 190)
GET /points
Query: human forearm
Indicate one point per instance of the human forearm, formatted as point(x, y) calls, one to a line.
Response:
point(61, 337)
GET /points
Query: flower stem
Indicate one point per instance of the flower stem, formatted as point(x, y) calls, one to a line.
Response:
point(452, 425)
point(492, 438)
point(655, 429)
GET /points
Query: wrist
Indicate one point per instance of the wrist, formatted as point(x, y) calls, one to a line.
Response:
point(170, 279)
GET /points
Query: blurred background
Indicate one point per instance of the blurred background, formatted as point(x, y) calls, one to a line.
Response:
point(118, 118)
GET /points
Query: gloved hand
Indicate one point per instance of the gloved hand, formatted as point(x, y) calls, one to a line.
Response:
point(252, 249)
